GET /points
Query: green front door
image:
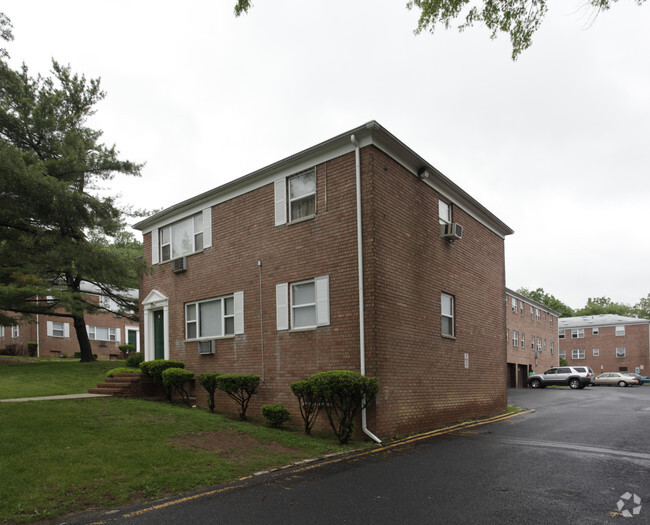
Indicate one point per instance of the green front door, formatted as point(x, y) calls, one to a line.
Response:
point(158, 335)
point(132, 338)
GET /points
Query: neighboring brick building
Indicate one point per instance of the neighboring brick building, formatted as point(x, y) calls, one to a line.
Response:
point(263, 271)
point(606, 343)
point(532, 332)
point(56, 336)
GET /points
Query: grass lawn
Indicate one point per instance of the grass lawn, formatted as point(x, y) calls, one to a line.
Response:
point(50, 377)
point(63, 456)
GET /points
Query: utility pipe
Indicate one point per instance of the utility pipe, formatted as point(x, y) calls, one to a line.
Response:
point(362, 337)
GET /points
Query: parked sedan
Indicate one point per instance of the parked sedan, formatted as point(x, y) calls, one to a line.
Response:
point(642, 379)
point(615, 378)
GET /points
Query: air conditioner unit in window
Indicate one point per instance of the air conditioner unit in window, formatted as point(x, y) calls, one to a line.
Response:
point(206, 347)
point(179, 265)
point(451, 230)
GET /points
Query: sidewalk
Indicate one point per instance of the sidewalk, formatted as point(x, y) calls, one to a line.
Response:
point(50, 398)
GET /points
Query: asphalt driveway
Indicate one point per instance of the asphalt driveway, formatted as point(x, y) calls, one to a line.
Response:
point(579, 456)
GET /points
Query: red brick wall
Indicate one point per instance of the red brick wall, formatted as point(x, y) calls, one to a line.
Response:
point(546, 329)
point(424, 382)
point(422, 376)
point(635, 341)
point(55, 346)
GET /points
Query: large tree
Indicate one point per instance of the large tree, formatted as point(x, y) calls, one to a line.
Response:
point(57, 231)
point(604, 305)
point(547, 299)
point(519, 19)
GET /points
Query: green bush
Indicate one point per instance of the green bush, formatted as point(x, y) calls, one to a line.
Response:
point(154, 369)
point(126, 350)
point(208, 380)
point(308, 402)
point(134, 359)
point(344, 394)
point(176, 378)
point(276, 415)
point(239, 387)
point(32, 349)
point(122, 370)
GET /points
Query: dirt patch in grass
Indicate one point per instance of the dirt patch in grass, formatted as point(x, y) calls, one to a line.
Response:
point(230, 444)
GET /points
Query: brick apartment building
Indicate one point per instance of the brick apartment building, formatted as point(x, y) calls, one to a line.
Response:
point(532, 333)
point(606, 343)
point(261, 275)
point(56, 336)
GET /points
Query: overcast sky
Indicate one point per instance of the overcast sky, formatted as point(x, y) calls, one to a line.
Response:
point(556, 144)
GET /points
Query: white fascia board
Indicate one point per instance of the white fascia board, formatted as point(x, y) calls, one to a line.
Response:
point(370, 133)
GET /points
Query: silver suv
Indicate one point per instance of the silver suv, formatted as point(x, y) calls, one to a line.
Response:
point(574, 376)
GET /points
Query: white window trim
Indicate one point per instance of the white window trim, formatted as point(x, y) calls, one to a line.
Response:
point(452, 316)
point(284, 310)
point(114, 334)
point(619, 328)
point(156, 246)
point(578, 353)
point(65, 328)
point(282, 204)
point(237, 315)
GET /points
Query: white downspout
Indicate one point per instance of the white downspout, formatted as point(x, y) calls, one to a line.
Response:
point(362, 338)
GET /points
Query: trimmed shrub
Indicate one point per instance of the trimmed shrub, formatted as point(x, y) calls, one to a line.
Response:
point(155, 368)
point(32, 349)
point(134, 359)
point(126, 350)
point(239, 387)
point(308, 402)
point(208, 380)
point(176, 378)
point(122, 370)
point(276, 415)
point(344, 394)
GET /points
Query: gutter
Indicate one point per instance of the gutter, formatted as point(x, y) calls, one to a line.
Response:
point(362, 326)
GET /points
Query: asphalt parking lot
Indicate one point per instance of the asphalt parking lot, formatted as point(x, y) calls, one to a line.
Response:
point(578, 456)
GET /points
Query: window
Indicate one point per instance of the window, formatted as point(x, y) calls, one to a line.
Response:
point(532, 313)
point(577, 333)
point(57, 329)
point(532, 343)
point(521, 307)
point(539, 344)
point(444, 212)
point(577, 354)
point(297, 194)
point(2, 331)
point(100, 333)
point(561, 334)
point(620, 353)
point(596, 352)
point(515, 338)
point(561, 354)
point(594, 331)
point(303, 305)
point(620, 330)
point(15, 331)
point(537, 314)
point(447, 315)
point(183, 237)
point(219, 317)
point(551, 347)
point(514, 305)
point(523, 339)
point(551, 317)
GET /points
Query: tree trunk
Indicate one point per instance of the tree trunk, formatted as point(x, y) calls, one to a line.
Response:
point(82, 339)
